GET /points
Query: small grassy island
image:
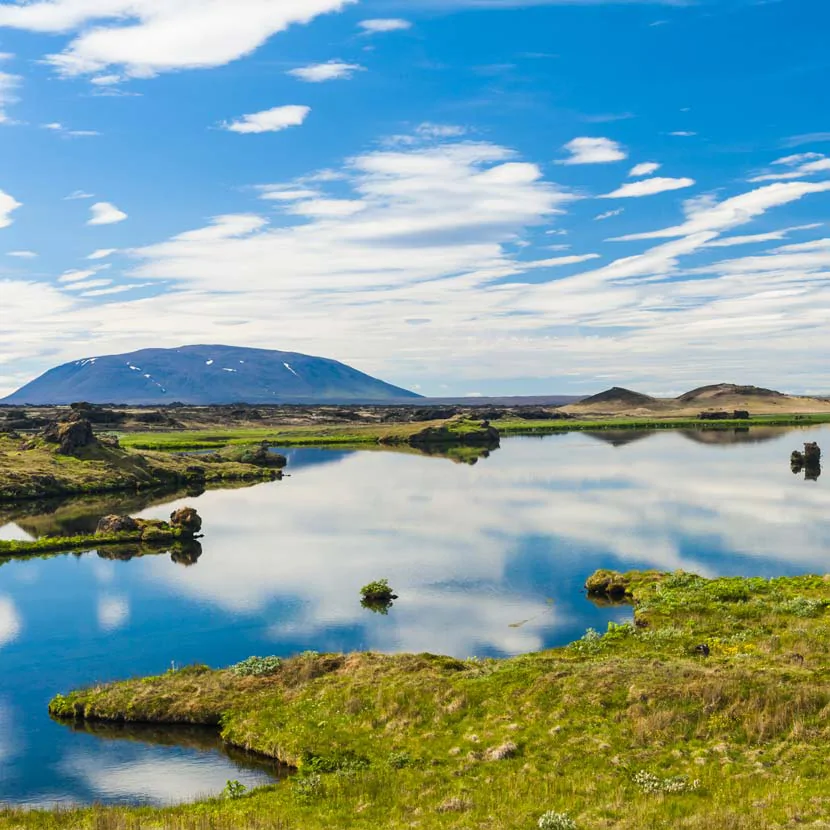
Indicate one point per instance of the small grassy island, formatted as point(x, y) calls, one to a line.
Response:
point(112, 531)
point(711, 709)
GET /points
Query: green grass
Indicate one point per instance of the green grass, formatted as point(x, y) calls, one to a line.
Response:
point(52, 544)
point(33, 469)
point(361, 436)
point(521, 427)
point(602, 730)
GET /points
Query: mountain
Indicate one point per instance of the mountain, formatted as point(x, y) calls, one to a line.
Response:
point(205, 375)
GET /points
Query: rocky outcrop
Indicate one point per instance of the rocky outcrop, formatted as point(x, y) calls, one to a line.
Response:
point(111, 525)
point(608, 585)
point(70, 436)
point(187, 520)
point(457, 433)
point(808, 461)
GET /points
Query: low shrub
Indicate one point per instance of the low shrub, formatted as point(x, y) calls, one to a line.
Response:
point(556, 821)
point(652, 784)
point(256, 667)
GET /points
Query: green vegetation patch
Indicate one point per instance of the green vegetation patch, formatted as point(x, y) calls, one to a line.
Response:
point(631, 728)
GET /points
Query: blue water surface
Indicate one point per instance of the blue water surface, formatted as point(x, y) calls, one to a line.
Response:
point(488, 560)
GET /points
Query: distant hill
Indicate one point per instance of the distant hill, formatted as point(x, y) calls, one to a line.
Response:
point(728, 390)
point(206, 375)
point(720, 397)
point(618, 395)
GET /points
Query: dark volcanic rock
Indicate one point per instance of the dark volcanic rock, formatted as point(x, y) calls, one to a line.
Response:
point(187, 519)
point(116, 524)
point(71, 436)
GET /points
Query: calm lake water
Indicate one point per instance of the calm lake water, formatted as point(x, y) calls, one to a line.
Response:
point(487, 559)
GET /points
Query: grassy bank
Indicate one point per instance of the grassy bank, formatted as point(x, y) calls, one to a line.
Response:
point(59, 544)
point(631, 729)
point(349, 435)
point(360, 436)
point(34, 469)
point(522, 427)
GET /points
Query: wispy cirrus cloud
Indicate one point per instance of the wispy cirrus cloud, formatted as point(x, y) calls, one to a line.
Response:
point(648, 187)
point(384, 25)
point(9, 85)
point(269, 121)
point(330, 71)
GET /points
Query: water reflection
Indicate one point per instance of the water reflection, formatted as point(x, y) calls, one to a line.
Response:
point(487, 560)
point(194, 761)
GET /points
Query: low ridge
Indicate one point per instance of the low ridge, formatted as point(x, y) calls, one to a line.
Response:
point(202, 375)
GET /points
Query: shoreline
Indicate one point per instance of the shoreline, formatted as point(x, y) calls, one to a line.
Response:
point(626, 729)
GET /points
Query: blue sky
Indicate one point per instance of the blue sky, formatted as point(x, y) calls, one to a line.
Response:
point(460, 196)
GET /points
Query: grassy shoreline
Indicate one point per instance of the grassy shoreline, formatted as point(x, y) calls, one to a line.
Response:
point(631, 729)
point(67, 544)
point(31, 470)
point(359, 436)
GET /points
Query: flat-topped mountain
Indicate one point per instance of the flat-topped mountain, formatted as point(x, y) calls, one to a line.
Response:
point(205, 375)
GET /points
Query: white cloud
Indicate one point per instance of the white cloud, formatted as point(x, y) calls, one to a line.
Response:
point(86, 285)
point(754, 239)
point(593, 151)
point(439, 233)
point(644, 169)
point(106, 80)
point(378, 26)
point(270, 121)
point(142, 38)
point(8, 205)
point(721, 216)
point(330, 71)
point(609, 214)
point(225, 227)
point(102, 253)
point(9, 85)
point(76, 275)
point(683, 134)
point(79, 194)
point(803, 164)
point(57, 127)
point(430, 130)
point(648, 187)
point(22, 254)
point(105, 213)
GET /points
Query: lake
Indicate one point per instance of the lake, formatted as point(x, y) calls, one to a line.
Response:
point(488, 560)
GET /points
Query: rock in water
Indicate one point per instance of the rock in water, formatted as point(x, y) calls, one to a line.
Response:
point(116, 524)
point(187, 519)
point(812, 454)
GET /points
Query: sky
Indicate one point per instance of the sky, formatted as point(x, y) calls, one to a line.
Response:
point(462, 197)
